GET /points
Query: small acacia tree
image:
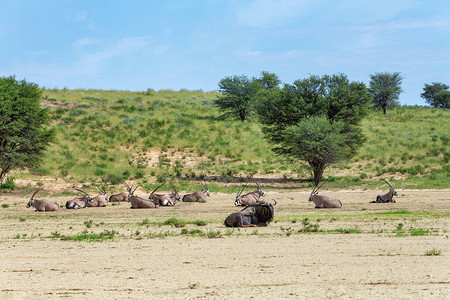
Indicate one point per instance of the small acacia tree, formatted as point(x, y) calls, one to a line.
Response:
point(237, 95)
point(436, 94)
point(315, 119)
point(385, 88)
point(239, 92)
point(23, 131)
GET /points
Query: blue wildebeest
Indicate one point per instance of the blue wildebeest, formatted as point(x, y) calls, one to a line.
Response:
point(252, 215)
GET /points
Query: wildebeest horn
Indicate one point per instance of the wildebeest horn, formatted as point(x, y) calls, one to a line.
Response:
point(275, 202)
point(37, 190)
point(388, 183)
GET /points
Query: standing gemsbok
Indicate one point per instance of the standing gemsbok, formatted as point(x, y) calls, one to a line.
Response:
point(121, 197)
point(198, 196)
point(323, 201)
point(251, 198)
point(78, 202)
point(139, 202)
point(98, 201)
point(42, 205)
point(165, 199)
point(388, 197)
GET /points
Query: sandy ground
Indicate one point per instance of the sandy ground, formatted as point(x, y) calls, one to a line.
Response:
point(275, 262)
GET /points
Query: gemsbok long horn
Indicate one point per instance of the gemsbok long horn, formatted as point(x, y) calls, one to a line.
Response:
point(388, 184)
point(314, 191)
point(38, 189)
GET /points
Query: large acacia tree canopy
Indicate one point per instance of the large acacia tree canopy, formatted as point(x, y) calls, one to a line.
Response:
point(315, 119)
point(23, 132)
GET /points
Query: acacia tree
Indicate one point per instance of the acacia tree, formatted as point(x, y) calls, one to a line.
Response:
point(269, 81)
point(436, 94)
point(385, 88)
point(316, 119)
point(23, 131)
point(239, 92)
point(237, 95)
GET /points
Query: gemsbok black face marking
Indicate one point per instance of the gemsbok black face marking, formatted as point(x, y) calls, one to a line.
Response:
point(251, 198)
point(321, 201)
point(79, 202)
point(198, 196)
point(388, 197)
point(252, 215)
point(42, 205)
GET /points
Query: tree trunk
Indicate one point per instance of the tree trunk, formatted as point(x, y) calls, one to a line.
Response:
point(384, 109)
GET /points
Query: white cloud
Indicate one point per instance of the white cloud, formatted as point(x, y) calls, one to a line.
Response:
point(86, 42)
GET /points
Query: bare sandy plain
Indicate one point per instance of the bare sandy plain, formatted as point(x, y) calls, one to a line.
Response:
point(360, 251)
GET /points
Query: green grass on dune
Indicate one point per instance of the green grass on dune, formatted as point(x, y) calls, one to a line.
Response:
point(147, 136)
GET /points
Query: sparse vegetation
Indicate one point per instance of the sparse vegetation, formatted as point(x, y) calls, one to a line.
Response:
point(433, 252)
point(409, 141)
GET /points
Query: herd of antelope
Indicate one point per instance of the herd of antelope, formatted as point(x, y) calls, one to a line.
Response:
point(256, 212)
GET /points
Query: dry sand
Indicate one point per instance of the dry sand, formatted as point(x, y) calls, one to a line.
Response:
point(262, 262)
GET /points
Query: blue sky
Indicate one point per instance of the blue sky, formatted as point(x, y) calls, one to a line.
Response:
point(135, 45)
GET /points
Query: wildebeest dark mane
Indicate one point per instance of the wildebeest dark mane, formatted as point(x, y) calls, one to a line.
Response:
point(263, 212)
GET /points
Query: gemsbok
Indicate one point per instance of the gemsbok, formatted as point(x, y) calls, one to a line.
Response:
point(98, 201)
point(251, 198)
point(121, 197)
point(78, 202)
point(138, 202)
point(252, 215)
point(323, 201)
point(165, 199)
point(198, 196)
point(42, 205)
point(388, 197)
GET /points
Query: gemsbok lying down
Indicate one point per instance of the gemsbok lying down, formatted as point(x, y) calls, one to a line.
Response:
point(78, 202)
point(252, 215)
point(251, 198)
point(138, 202)
point(323, 201)
point(198, 196)
point(42, 205)
point(121, 197)
point(388, 197)
point(165, 199)
point(98, 201)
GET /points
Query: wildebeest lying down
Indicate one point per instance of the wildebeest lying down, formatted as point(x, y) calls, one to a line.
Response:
point(388, 197)
point(252, 215)
point(323, 201)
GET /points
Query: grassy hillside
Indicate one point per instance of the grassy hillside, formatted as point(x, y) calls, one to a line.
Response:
point(146, 136)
